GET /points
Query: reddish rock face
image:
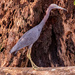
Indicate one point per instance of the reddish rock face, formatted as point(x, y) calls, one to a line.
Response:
point(56, 45)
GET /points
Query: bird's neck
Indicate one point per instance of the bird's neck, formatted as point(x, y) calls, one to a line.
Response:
point(42, 23)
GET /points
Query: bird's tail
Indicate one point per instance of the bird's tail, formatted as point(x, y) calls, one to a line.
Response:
point(13, 49)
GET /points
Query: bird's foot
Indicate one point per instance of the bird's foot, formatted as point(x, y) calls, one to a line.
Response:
point(35, 67)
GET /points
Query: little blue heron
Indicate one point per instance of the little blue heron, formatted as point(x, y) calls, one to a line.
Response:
point(31, 36)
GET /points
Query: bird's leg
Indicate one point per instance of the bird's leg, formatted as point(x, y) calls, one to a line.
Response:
point(32, 63)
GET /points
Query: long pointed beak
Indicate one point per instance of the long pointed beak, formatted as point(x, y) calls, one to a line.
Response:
point(61, 8)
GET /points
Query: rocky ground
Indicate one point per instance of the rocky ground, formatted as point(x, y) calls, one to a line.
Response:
point(40, 71)
point(56, 45)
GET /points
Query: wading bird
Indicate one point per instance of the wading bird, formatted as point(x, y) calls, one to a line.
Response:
point(31, 36)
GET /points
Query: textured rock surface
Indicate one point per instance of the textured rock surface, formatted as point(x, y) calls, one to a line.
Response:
point(41, 71)
point(56, 45)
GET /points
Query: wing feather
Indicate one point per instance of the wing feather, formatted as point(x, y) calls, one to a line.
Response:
point(26, 40)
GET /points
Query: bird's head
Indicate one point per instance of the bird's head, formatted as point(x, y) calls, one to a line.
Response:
point(54, 6)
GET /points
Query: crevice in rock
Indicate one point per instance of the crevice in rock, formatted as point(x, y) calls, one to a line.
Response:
point(53, 49)
point(55, 59)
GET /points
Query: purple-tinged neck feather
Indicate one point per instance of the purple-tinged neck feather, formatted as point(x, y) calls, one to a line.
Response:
point(42, 23)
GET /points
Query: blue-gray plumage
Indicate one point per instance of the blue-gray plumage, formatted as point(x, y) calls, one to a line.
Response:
point(31, 36)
